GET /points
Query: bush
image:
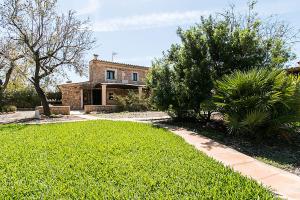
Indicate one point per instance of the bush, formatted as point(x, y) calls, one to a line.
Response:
point(57, 96)
point(9, 108)
point(25, 98)
point(259, 102)
point(132, 102)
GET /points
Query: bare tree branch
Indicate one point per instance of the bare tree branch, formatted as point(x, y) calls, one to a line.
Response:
point(49, 43)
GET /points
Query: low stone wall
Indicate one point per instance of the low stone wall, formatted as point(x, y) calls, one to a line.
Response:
point(100, 108)
point(56, 110)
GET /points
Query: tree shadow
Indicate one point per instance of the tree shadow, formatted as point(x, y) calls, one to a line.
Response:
point(12, 127)
point(18, 121)
point(15, 125)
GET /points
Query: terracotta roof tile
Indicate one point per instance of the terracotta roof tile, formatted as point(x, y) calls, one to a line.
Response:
point(126, 64)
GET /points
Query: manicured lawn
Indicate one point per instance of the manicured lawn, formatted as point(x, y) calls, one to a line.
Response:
point(114, 160)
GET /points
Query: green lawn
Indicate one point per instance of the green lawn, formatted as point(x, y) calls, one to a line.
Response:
point(113, 160)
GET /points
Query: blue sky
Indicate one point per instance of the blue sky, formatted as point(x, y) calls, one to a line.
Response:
point(139, 30)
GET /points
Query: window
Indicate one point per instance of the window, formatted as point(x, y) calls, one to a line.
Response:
point(135, 76)
point(110, 75)
point(111, 96)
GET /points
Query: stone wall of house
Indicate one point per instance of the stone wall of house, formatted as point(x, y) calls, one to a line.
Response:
point(71, 95)
point(97, 72)
point(72, 92)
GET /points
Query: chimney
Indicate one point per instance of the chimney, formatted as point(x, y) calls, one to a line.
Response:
point(96, 56)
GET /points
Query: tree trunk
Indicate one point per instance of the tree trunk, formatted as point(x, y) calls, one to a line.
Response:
point(1, 98)
point(43, 99)
point(7, 77)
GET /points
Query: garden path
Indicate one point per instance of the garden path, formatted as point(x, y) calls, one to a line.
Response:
point(283, 183)
point(18, 116)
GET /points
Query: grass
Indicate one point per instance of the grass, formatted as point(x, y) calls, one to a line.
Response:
point(111, 160)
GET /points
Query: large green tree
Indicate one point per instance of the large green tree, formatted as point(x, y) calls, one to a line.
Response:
point(218, 45)
point(160, 79)
point(179, 82)
point(243, 42)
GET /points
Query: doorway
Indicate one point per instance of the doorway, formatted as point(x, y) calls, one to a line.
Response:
point(96, 97)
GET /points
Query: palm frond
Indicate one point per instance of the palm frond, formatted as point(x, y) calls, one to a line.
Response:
point(258, 98)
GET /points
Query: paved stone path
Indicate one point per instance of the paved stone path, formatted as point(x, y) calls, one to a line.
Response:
point(15, 117)
point(283, 183)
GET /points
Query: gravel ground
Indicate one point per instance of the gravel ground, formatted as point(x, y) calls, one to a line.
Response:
point(16, 117)
point(28, 117)
point(131, 115)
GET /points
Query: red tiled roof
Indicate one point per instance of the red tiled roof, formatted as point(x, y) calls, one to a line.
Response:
point(126, 64)
point(294, 70)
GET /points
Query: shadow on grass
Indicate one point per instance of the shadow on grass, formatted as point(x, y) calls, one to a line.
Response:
point(169, 125)
point(12, 127)
point(17, 121)
point(275, 152)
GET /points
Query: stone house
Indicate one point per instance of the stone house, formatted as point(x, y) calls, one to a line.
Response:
point(106, 80)
point(294, 70)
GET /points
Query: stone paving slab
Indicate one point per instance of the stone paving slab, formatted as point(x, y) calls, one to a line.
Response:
point(283, 183)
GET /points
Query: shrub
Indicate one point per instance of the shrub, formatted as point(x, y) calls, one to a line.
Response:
point(57, 96)
point(207, 108)
point(54, 98)
point(28, 98)
point(259, 102)
point(132, 102)
point(25, 98)
point(9, 108)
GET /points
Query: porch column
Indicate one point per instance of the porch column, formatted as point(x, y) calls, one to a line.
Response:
point(92, 103)
point(81, 98)
point(140, 92)
point(103, 95)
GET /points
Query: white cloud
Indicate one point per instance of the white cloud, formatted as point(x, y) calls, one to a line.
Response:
point(135, 60)
point(149, 21)
point(277, 7)
point(90, 7)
